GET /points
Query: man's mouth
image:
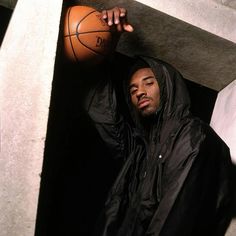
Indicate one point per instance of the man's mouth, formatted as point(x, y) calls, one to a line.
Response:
point(143, 103)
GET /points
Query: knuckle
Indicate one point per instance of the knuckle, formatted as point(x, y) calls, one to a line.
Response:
point(123, 10)
point(118, 9)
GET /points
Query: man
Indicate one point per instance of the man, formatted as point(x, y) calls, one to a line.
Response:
point(176, 177)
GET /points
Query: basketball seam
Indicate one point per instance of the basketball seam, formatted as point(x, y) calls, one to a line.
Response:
point(83, 19)
point(87, 32)
point(94, 31)
point(77, 34)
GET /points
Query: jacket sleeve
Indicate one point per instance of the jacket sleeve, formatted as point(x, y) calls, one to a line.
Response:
point(101, 106)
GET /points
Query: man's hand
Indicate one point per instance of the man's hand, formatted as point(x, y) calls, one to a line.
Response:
point(117, 17)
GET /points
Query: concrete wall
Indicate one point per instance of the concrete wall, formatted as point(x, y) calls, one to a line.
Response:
point(26, 70)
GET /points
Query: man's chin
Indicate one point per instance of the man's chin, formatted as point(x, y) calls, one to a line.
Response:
point(147, 112)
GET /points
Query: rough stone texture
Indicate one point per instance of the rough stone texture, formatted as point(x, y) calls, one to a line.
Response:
point(208, 15)
point(228, 3)
point(232, 228)
point(26, 70)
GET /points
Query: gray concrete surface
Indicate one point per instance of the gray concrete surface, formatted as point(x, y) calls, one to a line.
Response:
point(228, 3)
point(26, 71)
point(209, 15)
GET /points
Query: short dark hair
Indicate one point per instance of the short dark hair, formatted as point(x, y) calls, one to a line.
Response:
point(138, 64)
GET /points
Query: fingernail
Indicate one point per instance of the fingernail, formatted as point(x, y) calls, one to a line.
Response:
point(130, 28)
point(117, 22)
point(110, 23)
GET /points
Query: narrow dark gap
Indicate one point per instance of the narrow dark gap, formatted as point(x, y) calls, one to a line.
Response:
point(5, 16)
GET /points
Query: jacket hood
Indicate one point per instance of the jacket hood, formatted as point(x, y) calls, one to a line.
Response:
point(174, 97)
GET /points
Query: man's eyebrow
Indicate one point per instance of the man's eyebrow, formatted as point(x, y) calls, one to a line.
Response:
point(131, 86)
point(148, 77)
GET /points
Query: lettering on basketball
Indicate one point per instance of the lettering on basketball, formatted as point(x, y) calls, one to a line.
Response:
point(101, 42)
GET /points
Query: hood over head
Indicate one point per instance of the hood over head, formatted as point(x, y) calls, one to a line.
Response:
point(174, 97)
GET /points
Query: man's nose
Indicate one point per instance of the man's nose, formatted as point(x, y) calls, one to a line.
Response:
point(141, 93)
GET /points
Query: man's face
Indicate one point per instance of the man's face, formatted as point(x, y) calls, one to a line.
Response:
point(144, 91)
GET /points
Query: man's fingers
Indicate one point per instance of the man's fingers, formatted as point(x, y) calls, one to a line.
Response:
point(123, 12)
point(116, 15)
point(110, 18)
point(127, 27)
point(124, 16)
point(119, 28)
point(104, 14)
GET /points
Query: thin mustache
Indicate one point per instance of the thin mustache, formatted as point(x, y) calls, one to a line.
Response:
point(143, 98)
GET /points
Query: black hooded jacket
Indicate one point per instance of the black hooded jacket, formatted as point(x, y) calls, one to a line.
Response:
point(178, 183)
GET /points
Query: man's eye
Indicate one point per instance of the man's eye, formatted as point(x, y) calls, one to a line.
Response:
point(133, 91)
point(149, 83)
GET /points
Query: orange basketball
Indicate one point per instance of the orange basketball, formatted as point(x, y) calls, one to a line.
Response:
point(87, 37)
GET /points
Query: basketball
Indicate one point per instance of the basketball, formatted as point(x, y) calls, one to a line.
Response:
point(87, 37)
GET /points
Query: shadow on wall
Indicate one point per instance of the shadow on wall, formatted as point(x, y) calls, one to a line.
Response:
point(234, 201)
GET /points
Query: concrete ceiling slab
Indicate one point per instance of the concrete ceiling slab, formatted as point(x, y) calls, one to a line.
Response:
point(209, 15)
point(228, 3)
point(200, 56)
